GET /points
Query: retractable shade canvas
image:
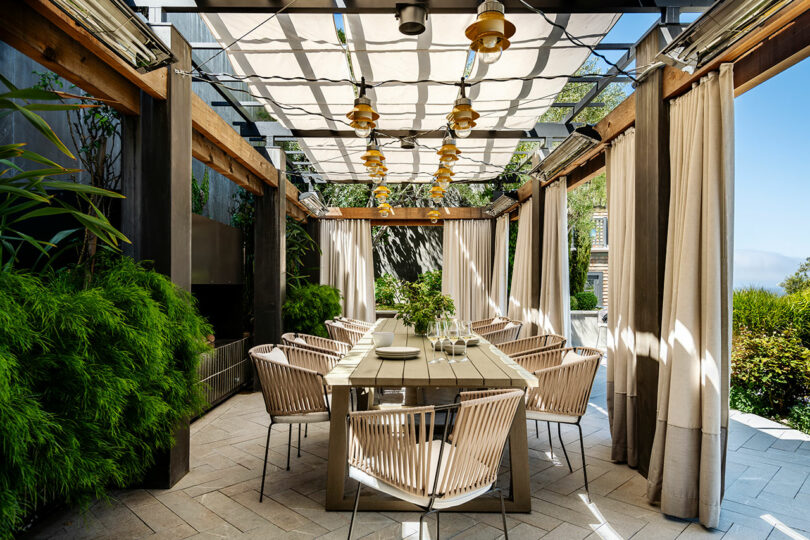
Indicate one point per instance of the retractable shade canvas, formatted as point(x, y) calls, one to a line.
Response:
point(414, 98)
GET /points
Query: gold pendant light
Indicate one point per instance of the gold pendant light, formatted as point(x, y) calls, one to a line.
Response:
point(463, 117)
point(489, 34)
point(436, 192)
point(381, 193)
point(448, 153)
point(373, 159)
point(385, 209)
point(363, 115)
point(433, 215)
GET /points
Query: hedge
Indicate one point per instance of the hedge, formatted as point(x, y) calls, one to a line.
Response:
point(96, 371)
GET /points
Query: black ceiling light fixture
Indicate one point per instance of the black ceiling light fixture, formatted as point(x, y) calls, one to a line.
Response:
point(412, 18)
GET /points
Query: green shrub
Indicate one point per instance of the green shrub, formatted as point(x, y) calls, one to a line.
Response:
point(96, 371)
point(308, 306)
point(799, 417)
point(386, 290)
point(421, 305)
point(774, 371)
point(586, 300)
point(432, 281)
point(763, 313)
point(574, 303)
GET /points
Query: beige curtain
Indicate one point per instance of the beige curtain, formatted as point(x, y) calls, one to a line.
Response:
point(555, 307)
point(520, 294)
point(467, 255)
point(347, 264)
point(687, 465)
point(498, 299)
point(621, 345)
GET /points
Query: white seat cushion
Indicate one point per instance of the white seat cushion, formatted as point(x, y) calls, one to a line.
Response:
point(308, 418)
point(571, 356)
point(440, 503)
point(549, 417)
point(510, 325)
point(277, 355)
point(337, 323)
point(299, 340)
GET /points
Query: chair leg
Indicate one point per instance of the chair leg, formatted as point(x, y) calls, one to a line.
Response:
point(299, 440)
point(421, 524)
point(584, 470)
point(536, 429)
point(264, 468)
point(354, 511)
point(437, 525)
point(550, 446)
point(559, 434)
point(503, 515)
point(306, 430)
point(289, 444)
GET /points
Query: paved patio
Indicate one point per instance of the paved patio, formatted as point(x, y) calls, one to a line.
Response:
point(767, 493)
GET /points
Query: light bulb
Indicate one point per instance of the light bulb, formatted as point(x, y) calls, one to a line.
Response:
point(490, 57)
point(384, 213)
point(463, 129)
point(433, 220)
point(490, 42)
point(362, 130)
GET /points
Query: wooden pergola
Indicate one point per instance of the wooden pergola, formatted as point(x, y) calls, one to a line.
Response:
point(165, 124)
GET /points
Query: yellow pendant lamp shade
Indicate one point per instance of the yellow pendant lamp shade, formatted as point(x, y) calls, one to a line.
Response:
point(363, 116)
point(463, 117)
point(433, 215)
point(373, 158)
point(381, 193)
point(436, 192)
point(444, 172)
point(489, 34)
point(385, 209)
point(448, 153)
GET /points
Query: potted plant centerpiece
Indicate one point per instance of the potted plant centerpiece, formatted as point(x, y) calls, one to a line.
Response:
point(421, 305)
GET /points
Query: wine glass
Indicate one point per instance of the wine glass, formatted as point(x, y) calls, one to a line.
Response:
point(433, 336)
point(465, 333)
point(452, 337)
point(441, 326)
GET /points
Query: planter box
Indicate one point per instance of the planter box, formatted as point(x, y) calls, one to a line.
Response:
point(386, 313)
point(170, 465)
point(584, 329)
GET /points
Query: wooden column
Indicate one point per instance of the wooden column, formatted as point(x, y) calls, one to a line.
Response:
point(652, 210)
point(156, 171)
point(538, 207)
point(269, 269)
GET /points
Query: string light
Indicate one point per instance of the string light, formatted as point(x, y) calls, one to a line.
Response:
point(443, 177)
point(381, 193)
point(384, 209)
point(436, 192)
point(448, 153)
point(373, 158)
point(489, 34)
point(363, 115)
point(463, 117)
point(433, 215)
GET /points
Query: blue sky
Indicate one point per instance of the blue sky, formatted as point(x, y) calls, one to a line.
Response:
point(772, 183)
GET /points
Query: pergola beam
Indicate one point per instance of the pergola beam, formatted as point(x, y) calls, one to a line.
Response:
point(415, 216)
point(434, 6)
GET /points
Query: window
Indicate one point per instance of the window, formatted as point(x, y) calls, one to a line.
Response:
point(599, 235)
point(594, 285)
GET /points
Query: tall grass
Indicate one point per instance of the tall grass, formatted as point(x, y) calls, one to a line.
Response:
point(764, 313)
point(94, 377)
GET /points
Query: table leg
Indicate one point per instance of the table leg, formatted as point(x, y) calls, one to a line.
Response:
point(336, 467)
point(519, 462)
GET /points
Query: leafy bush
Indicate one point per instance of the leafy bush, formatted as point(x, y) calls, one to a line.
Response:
point(432, 281)
point(299, 244)
point(96, 372)
point(421, 304)
point(799, 417)
point(761, 312)
point(586, 300)
point(574, 303)
point(773, 371)
point(386, 290)
point(308, 306)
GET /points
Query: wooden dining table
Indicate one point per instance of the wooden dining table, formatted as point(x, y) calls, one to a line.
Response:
point(487, 367)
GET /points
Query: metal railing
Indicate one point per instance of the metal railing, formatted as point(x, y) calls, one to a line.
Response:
point(224, 371)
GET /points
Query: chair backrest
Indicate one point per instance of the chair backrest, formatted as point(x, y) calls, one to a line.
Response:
point(533, 344)
point(312, 360)
point(509, 332)
point(566, 388)
point(341, 332)
point(365, 325)
point(395, 445)
point(490, 327)
point(486, 322)
point(288, 389)
point(315, 343)
point(540, 359)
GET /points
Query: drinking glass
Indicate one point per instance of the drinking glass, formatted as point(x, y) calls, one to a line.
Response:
point(465, 333)
point(441, 326)
point(433, 336)
point(452, 337)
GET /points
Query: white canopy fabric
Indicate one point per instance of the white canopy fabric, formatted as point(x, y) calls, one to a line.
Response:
point(307, 45)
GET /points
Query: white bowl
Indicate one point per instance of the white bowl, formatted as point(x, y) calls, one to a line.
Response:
point(383, 339)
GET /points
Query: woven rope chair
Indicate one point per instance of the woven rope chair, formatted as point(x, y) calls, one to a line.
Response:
point(533, 344)
point(344, 332)
point(393, 451)
point(491, 327)
point(562, 393)
point(486, 322)
point(355, 322)
point(509, 332)
point(315, 343)
point(292, 395)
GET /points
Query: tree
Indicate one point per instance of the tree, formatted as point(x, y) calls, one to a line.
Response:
point(581, 203)
point(800, 280)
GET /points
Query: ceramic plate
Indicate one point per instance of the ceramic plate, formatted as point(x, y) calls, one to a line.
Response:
point(397, 353)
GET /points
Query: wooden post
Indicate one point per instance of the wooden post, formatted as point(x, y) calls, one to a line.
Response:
point(652, 210)
point(270, 269)
point(538, 207)
point(156, 215)
point(156, 168)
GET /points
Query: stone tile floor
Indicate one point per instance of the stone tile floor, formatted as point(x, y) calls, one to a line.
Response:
point(767, 490)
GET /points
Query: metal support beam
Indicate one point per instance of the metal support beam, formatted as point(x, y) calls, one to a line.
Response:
point(435, 6)
point(611, 76)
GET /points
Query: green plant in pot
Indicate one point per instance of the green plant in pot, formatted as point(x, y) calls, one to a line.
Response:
point(421, 305)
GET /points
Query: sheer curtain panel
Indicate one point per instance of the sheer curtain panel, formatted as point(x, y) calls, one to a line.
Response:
point(687, 466)
point(520, 307)
point(347, 264)
point(499, 300)
point(466, 262)
point(621, 346)
point(555, 307)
